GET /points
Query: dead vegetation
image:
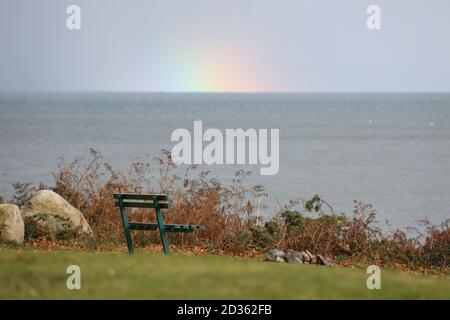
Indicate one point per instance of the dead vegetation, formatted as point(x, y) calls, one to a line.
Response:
point(229, 212)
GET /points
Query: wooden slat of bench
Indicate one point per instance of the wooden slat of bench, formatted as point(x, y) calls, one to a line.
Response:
point(143, 226)
point(138, 196)
point(133, 204)
point(168, 227)
point(182, 227)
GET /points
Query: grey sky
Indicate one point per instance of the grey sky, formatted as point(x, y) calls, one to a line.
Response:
point(230, 45)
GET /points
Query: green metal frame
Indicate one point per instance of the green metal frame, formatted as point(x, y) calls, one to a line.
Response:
point(156, 201)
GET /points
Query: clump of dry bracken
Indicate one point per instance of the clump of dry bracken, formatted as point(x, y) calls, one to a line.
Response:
point(230, 214)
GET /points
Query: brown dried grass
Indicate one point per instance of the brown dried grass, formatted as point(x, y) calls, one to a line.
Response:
point(228, 212)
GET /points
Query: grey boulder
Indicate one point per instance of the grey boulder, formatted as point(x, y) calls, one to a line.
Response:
point(293, 257)
point(11, 224)
point(326, 261)
point(275, 255)
point(305, 257)
point(48, 214)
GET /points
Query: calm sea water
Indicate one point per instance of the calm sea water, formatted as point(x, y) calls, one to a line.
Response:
point(391, 150)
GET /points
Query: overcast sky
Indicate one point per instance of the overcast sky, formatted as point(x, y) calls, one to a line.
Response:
point(227, 45)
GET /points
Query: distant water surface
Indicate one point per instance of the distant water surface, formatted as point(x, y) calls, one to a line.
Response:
point(391, 150)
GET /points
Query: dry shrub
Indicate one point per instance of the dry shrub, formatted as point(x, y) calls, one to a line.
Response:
point(358, 238)
point(88, 183)
point(228, 212)
point(197, 198)
point(436, 251)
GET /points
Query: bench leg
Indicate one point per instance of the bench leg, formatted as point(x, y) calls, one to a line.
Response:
point(162, 231)
point(126, 229)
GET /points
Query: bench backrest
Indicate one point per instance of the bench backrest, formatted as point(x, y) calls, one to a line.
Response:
point(136, 200)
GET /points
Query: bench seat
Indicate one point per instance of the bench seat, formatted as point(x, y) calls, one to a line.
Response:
point(168, 227)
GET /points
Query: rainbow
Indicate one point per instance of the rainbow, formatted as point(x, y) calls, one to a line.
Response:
point(210, 71)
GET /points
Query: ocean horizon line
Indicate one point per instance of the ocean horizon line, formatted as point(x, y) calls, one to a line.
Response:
point(223, 92)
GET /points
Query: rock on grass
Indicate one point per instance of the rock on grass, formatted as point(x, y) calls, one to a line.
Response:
point(11, 224)
point(49, 215)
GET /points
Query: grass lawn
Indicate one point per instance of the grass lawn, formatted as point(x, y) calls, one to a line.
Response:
point(42, 275)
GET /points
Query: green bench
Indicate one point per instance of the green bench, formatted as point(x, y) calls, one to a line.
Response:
point(156, 201)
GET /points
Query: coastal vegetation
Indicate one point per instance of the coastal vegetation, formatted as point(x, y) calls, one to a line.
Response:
point(231, 213)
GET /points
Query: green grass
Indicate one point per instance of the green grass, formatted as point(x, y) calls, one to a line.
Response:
point(42, 275)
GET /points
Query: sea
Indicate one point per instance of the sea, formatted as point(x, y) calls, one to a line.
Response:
point(389, 150)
